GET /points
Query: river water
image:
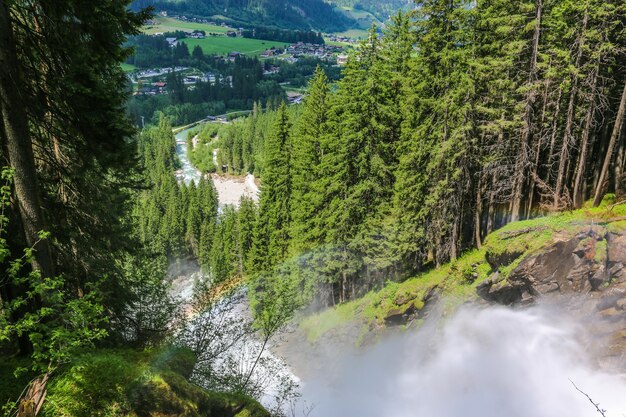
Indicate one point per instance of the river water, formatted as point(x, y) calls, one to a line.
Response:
point(269, 374)
point(188, 172)
point(229, 189)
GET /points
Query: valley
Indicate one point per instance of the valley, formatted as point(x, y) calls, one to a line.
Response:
point(313, 208)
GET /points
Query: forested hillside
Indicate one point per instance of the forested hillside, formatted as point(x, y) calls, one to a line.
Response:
point(454, 122)
point(456, 119)
point(91, 217)
point(381, 9)
point(290, 14)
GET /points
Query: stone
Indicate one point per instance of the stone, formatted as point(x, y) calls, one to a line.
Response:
point(612, 314)
point(616, 269)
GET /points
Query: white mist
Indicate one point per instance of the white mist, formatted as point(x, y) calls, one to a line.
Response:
point(493, 362)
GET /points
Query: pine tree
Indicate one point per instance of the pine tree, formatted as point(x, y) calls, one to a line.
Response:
point(272, 229)
point(307, 156)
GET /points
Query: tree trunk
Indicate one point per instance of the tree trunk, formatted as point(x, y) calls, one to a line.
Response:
point(584, 145)
point(454, 238)
point(20, 148)
point(555, 130)
point(478, 214)
point(617, 128)
point(571, 107)
point(620, 176)
point(522, 160)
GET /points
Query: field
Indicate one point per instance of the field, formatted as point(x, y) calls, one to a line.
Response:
point(222, 45)
point(167, 24)
point(128, 67)
point(354, 33)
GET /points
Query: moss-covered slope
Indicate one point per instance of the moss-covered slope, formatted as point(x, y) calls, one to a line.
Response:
point(142, 384)
point(456, 282)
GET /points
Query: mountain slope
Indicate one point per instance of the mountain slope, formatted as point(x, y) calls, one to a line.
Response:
point(291, 14)
point(577, 259)
point(381, 10)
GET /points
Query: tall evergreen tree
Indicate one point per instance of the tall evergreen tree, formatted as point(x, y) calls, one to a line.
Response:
point(307, 157)
point(272, 229)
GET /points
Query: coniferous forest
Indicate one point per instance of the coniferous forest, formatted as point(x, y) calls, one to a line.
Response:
point(452, 123)
point(453, 120)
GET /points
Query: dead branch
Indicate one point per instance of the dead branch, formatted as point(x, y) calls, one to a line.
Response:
point(596, 405)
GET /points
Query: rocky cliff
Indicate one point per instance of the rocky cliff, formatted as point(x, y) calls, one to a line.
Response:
point(584, 273)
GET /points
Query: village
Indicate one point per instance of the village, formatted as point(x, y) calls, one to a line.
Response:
point(179, 29)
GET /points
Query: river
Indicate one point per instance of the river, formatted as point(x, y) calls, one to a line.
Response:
point(269, 375)
point(229, 189)
point(188, 172)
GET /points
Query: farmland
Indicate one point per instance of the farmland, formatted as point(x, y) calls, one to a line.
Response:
point(222, 45)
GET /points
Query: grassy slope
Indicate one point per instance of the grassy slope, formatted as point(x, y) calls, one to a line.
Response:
point(456, 279)
point(221, 45)
point(129, 383)
point(128, 67)
point(167, 24)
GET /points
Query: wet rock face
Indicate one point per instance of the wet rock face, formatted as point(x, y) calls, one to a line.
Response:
point(586, 275)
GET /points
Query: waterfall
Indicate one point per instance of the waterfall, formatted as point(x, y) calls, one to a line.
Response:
point(493, 362)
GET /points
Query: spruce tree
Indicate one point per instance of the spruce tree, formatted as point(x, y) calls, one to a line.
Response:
point(272, 229)
point(307, 156)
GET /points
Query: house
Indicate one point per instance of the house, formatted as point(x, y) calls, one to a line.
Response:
point(231, 34)
point(234, 55)
point(271, 70)
point(171, 41)
point(342, 59)
point(198, 34)
point(210, 77)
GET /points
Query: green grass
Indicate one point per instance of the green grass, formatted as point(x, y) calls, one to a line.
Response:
point(336, 43)
point(167, 24)
point(457, 280)
point(316, 325)
point(128, 67)
point(14, 377)
point(353, 33)
point(130, 383)
point(222, 45)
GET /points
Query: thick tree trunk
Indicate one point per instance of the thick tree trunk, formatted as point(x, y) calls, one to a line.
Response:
point(526, 134)
point(617, 128)
point(19, 146)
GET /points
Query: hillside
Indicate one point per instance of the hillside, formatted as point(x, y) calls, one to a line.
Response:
point(289, 14)
point(366, 12)
point(124, 382)
point(576, 259)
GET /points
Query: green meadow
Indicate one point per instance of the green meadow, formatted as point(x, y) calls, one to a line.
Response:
point(128, 67)
point(222, 45)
